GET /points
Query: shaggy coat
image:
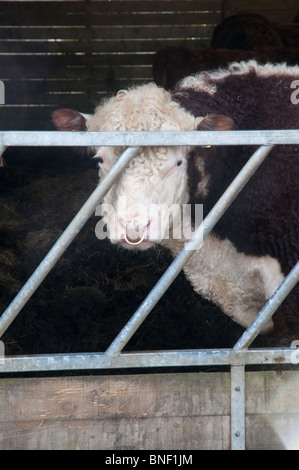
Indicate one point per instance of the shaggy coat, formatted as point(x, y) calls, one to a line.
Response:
point(264, 218)
point(256, 242)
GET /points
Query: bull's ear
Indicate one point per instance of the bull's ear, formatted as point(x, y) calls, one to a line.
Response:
point(215, 122)
point(69, 120)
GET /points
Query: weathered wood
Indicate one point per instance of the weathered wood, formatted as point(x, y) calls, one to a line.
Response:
point(108, 43)
point(104, 46)
point(101, 18)
point(258, 5)
point(62, 67)
point(18, 88)
point(32, 117)
point(155, 411)
point(48, 34)
point(117, 6)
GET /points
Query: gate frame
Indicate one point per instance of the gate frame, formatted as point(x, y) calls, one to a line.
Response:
point(237, 357)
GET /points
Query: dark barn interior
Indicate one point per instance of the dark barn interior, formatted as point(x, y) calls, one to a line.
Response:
point(73, 54)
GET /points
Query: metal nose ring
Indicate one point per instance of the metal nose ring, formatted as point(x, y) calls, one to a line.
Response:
point(135, 243)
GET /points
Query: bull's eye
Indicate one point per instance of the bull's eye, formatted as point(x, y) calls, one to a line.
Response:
point(101, 159)
point(179, 162)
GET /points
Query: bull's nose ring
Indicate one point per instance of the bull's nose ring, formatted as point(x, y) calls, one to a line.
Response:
point(135, 243)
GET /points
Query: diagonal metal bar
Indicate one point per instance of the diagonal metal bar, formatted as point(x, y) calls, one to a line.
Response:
point(269, 309)
point(64, 240)
point(193, 244)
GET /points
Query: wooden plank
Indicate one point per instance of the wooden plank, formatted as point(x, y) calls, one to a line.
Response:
point(70, 100)
point(272, 432)
point(275, 393)
point(46, 33)
point(64, 91)
point(25, 7)
point(117, 6)
point(156, 5)
point(66, 67)
point(49, 34)
point(18, 18)
point(133, 412)
point(81, 73)
point(51, 62)
point(161, 433)
point(19, 88)
point(127, 396)
point(103, 19)
point(138, 45)
point(104, 45)
point(33, 118)
point(67, 98)
point(154, 411)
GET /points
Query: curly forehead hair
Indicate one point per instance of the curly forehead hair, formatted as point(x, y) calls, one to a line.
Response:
point(143, 108)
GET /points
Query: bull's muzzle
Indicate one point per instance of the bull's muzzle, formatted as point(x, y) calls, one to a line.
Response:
point(135, 232)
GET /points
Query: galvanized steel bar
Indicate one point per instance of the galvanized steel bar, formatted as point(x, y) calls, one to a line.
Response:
point(193, 244)
point(237, 410)
point(131, 360)
point(64, 240)
point(135, 139)
point(269, 309)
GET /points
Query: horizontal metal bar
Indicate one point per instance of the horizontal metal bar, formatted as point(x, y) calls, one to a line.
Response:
point(193, 244)
point(269, 308)
point(134, 139)
point(64, 240)
point(97, 361)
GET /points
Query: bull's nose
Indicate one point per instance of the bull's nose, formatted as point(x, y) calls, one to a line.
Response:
point(135, 231)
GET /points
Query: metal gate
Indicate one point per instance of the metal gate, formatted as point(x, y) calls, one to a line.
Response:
point(113, 358)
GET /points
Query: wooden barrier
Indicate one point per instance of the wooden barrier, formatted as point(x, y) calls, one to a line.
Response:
point(151, 412)
point(73, 53)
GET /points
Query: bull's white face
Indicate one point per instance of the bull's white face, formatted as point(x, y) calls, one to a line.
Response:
point(148, 202)
point(145, 204)
point(142, 207)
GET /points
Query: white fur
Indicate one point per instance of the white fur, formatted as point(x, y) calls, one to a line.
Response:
point(239, 284)
point(205, 80)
